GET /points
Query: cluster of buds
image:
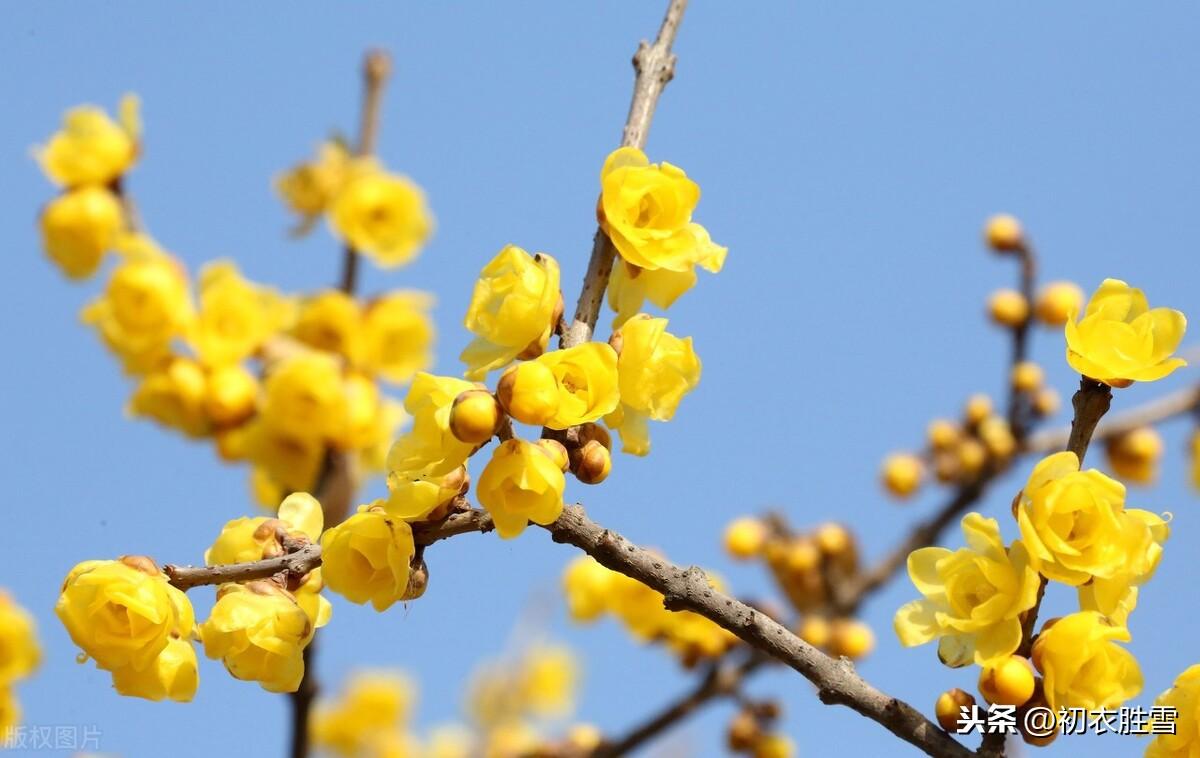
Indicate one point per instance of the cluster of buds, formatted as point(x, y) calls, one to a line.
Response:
point(808, 567)
point(1012, 681)
point(751, 732)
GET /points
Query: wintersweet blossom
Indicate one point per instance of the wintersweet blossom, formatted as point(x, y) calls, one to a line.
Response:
point(973, 596)
point(259, 632)
point(521, 483)
point(79, 227)
point(235, 317)
point(1081, 664)
point(1121, 340)
point(381, 215)
point(367, 556)
point(587, 383)
point(1183, 738)
point(173, 675)
point(397, 335)
point(91, 148)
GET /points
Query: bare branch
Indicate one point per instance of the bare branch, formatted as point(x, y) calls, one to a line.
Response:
point(1160, 409)
point(655, 66)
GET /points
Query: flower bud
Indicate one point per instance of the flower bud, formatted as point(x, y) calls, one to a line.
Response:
point(850, 638)
point(978, 407)
point(1027, 376)
point(617, 341)
point(1134, 455)
point(592, 463)
point(745, 538)
point(474, 416)
point(1056, 301)
point(142, 563)
point(971, 456)
point(743, 732)
point(942, 434)
point(1003, 233)
point(948, 708)
point(418, 580)
point(901, 474)
point(592, 431)
point(529, 393)
point(997, 437)
point(556, 451)
point(1009, 682)
point(837, 545)
point(1046, 402)
point(802, 555)
point(1008, 308)
point(815, 630)
point(773, 746)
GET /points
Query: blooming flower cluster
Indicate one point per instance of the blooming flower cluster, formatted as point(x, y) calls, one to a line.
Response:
point(278, 381)
point(20, 655)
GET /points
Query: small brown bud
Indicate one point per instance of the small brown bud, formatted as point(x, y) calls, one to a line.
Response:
point(592, 463)
point(142, 563)
point(418, 580)
point(743, 732)
point(948, 708)
point(590, 431)
point(617, 342)
point(556, 451)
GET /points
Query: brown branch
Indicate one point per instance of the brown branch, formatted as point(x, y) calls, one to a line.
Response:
point(1020, 342)
point(722, 680)
point(1091, 402)
point(654, 65)
point(1168, 406)
point(688, 589)
point(377, 67)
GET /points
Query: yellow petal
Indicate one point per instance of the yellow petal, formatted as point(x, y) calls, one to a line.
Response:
point(303, 513)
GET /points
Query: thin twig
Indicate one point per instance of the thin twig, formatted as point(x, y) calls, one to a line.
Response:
point(1020, 343)
point(655, 66)
point(1177, 403)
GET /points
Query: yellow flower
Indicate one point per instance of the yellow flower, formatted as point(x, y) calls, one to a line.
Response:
point(901, 474)
point(79, 227)
point(308, 188)
point(174, 396)
point(414, 497)
point(311, 601)
point(1134, 455)
point(1077, 529)
point(397, 335)
point(382, 216)
point(236, 316)
point(587, 586)
point(367, 556)
point(549, 676)
point(251, 539)
point(372, 702)
point(630, 287)
point(19, 650)
point(173, 675)
point(305, 396)
point(291, 462)
point(973, 597)
point(331, 321)
point(1183, 741)
point(145, 305)
point(122, 613)
point(512, 307)
point(1120, 340)
point(646, 210)
point(91, 148)
point(1082, 666)
point(655, 369)
point(231, 395)
point(521, 483)
point(259, 631)
point(587, 383)
point(363, 415)
point(430, 447)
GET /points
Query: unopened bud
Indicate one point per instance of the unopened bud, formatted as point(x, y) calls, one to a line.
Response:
point(617, 342)
point(901, 474)
point(592, 463)
point(1008, 682)
point(978, 407)
point(1057, 301)
point(942, 434)
point(474, 416)
point(141, 563)
point(591, 431)
point(528, 392)
point(743, 732)
point(948, 708)
point(1003, 233)
point(418, 580)
point(1027, 376)
point(556, 451)
point(1046, 402)
point(1008, 308)
point(851, 638)
point(816, 631)
point(745, 537)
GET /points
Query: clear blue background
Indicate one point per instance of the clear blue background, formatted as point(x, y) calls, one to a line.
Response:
point(848, 152)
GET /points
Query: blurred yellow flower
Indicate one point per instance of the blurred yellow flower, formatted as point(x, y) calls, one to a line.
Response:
point(397, 335)
point(330, 320)
point(646, 210)
point(973, 597)
point(236, 316)
point(521, 483)
point(92, 149)
point(289, 462)
point(1082, 666)
point(20, 653)
point(371, 703)
point(1121, 340)
point(549, 678)
point(175, 396)
point(231, 395)
point(586, 585)
point(1183, 738)
point(304, 396)
point(79, 227)
point(381, 215)
point(512, 307)
point(367, 556)
point(308, 188)
point(587, 383)
point(259, 631)
point(1134, 455)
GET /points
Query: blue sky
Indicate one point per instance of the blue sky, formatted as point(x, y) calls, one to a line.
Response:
point(848, 154)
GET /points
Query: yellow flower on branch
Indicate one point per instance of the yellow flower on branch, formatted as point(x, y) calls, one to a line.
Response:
point(331, 321)
point(289, 462)
point(646, 210)
point(429, 447)
point(91, 148)
point(305, 397)
point(309, 188)
point(397, 335)
point(587, 383)
point(415, 497)
point(173, 675)
point(1120, 340)
point(655, 370)
point(587, 587)
point(20, 653)
point(630, 287)
point(122, 613)
point(231, 396)
point(259, 632)
point(548, 680)
point(145, 306)
point(367, 557)
point(250, 539)
point(1081, 664)
point(79, 227)
point(236, 316)
point(382, 216)
point(1077, 529)
point(521, 483)
point(973, 597)
point(371, 703)
point(1183, 738)
point(512, 307)
point(175, 396)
